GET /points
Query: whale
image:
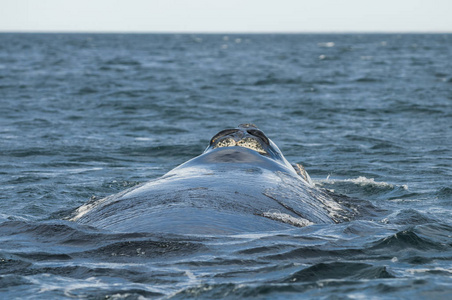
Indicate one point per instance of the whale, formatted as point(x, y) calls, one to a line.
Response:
point(241, 183)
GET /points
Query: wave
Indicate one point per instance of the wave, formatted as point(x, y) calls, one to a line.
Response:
point(339, 270)
point(409, 217)
point(406, 239)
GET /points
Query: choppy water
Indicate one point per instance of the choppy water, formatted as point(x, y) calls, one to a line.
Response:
point(83, 116)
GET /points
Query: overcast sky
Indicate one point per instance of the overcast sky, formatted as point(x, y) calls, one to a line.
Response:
point(226, 15)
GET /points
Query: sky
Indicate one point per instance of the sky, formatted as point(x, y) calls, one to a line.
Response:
point(226, 16)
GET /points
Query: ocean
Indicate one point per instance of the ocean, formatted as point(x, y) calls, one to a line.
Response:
point(83, 116)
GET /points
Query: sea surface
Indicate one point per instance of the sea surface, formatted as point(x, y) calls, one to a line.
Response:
point(84, 116)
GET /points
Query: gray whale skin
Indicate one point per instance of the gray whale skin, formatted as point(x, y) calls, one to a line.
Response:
point(241, 183)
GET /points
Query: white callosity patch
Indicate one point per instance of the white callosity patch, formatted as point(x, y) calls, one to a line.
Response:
point(282, 217)
point(248, 142)
point(251, 143)
point(226, 142)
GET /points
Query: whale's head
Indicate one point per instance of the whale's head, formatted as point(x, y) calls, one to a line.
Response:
point(244, 145)
point(247, 136)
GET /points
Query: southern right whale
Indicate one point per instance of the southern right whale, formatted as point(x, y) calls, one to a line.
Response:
point(241, 183)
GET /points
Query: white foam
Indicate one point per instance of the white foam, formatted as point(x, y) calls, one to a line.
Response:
point(362, 181)
point(326, 45)
point(145, 139)
point(423, 270)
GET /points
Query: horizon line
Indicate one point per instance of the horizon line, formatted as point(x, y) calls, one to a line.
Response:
point(225, 32)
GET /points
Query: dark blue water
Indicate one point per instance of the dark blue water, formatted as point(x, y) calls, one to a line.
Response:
point(83, 116)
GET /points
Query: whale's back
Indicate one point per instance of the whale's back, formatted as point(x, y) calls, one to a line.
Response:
point(199, 199)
